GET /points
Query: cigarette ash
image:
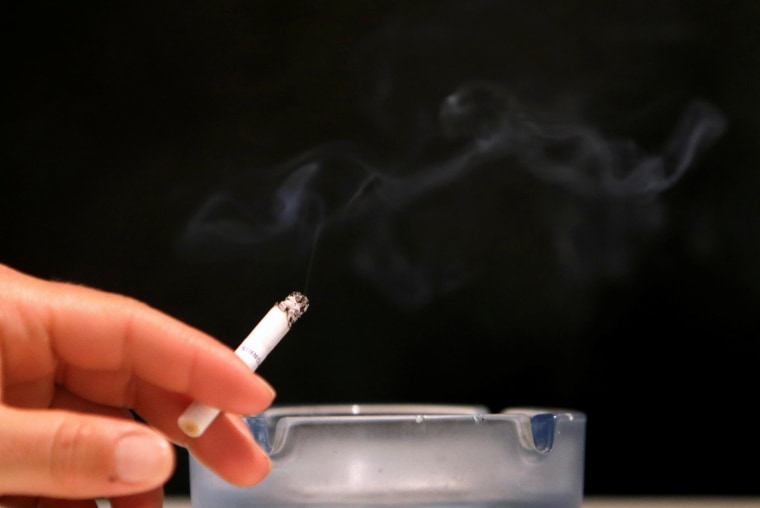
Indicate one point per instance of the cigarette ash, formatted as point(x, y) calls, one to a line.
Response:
point(294, 306)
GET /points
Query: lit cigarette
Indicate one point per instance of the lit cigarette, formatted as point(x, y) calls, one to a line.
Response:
point(254, 348)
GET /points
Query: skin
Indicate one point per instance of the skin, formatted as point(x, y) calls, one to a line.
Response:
point(75, 363)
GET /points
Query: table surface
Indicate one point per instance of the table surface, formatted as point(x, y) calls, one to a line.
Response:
point(610, 502)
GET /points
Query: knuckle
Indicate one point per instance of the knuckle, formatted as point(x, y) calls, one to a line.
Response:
point(72, 459)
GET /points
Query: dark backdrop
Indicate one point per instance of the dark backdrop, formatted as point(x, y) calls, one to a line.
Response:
point(503, 203)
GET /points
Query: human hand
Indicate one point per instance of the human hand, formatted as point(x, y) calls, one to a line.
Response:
point(74, 361)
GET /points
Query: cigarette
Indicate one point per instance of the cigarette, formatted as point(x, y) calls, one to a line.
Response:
point(255, 347)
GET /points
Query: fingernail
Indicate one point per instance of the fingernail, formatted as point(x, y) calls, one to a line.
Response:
point(141, 459)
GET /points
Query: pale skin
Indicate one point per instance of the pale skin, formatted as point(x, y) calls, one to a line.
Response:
point(75, 362)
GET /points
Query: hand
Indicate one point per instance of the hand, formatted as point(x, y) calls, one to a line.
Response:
point(74, 361)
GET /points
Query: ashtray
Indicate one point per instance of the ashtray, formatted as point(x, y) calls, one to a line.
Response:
point(378, 455)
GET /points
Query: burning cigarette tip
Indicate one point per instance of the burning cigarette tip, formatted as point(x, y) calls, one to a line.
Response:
point(294, 305)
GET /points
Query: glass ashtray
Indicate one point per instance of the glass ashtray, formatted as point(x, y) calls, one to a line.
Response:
point(375, 455)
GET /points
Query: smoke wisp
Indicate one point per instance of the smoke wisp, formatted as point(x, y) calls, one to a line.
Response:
point(416, 230)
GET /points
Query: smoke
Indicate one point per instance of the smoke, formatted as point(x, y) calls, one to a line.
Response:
point(577, 157)
point(473, 179)
point(413, 228)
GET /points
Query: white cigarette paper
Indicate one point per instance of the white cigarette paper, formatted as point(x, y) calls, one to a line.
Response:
point(254, 348)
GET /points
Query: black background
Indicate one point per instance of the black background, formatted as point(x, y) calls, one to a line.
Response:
point(497, 287)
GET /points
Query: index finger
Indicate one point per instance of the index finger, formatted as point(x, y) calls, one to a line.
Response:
point(100, 331)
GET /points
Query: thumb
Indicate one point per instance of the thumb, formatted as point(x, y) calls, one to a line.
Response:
point(65, 454)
